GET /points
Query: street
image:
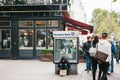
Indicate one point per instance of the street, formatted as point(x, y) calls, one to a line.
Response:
point(37, 70)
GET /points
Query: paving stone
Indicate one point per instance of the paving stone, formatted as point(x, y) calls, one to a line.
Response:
point(37, 70)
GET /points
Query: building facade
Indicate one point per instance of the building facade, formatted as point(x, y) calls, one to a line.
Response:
point(26, 26)
point(77, 11)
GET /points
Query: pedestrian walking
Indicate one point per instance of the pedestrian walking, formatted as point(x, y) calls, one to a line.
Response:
point(113, 55)
point(105, 47)
point(94, 61)
point(86, 47)
point(118, 52)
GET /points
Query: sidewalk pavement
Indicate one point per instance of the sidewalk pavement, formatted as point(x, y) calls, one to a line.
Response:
point(37, 70)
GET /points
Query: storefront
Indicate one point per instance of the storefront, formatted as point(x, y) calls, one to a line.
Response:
point(26, 30)
point(26, 37)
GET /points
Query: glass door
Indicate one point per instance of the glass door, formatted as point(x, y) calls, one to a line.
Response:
point(26, 43)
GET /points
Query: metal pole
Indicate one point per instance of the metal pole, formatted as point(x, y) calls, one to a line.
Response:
point(111, 19)
point(111, 30)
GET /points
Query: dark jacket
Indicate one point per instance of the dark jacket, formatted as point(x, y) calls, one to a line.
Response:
point(63, 65)
point(86, 47)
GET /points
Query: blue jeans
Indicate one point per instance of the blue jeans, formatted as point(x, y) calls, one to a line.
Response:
point(111, 67)
point(88, 62)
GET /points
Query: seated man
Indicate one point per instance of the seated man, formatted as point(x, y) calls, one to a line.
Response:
point(64, 65)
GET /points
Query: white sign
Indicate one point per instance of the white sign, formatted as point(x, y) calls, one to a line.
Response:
point(39, 1)
point(65, 34)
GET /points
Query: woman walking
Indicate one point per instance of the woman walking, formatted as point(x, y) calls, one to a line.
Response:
point(94, 61)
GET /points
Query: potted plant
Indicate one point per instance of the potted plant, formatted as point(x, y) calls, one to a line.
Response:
point(46, 55)
point(22, 1)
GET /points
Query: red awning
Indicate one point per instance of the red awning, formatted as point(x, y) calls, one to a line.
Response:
point(71, 27)
point(77, 24)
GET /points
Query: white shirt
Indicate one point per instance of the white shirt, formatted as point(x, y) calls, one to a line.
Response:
point(105, 46)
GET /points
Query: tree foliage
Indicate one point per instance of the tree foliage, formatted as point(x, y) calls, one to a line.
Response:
point(104, 21)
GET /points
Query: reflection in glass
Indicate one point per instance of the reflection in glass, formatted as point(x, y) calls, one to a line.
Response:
point(26, 39)
point(52, 23)
point(40, 23)
point(50, 39)
point(66, 48)
point(41, 38)
point(25, 23)
point(5, 39)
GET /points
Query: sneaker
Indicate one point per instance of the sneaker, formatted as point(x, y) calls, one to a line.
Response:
point(111, 71)
point(86, 69)
point(117, 61)
point(108, 73)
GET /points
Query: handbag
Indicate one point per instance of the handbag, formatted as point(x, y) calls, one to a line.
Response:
point(100, 56)
point(92, 51)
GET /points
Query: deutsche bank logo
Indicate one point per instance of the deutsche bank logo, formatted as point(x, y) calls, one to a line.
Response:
point(72, 33)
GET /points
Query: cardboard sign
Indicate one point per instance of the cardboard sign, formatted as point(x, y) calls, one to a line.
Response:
point(63, 72)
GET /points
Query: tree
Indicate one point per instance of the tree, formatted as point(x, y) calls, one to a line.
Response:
point(101, 21)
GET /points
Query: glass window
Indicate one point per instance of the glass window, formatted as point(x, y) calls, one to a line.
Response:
point(65, 47)
point(50, 38)
point(52, 23)
point(25, 23)
point(25, 39)
point(5, 23)
point(5, 39)
point(41, 39)
point(40, 23)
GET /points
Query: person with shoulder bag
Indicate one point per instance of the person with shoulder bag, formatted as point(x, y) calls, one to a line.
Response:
point(94, 61)
point(105, 47)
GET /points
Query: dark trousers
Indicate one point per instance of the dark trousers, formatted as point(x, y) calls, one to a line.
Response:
point(103, 68)
point(64, 67)
point(94, 67)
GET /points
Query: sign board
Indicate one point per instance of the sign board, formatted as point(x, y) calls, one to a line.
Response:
point(63, 72)
point(65, 34)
